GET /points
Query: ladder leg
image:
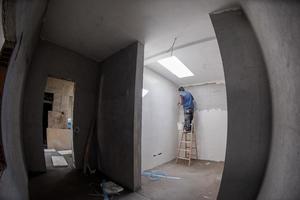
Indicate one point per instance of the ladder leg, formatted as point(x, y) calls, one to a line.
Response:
point(179, 147)
point(196, 148)
point(191, 147)
point(185, 145)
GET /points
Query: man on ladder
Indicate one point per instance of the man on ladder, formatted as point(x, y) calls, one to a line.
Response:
point(187, 101)
point(188, 141)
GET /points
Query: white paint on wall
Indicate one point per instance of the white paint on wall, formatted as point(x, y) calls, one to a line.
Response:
point(211, 129)
point(159, 120)
point(210, 120)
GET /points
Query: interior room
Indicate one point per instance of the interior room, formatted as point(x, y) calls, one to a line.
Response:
point(172, 100)
point(162, 122)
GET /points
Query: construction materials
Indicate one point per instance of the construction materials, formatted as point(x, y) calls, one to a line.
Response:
point(107, 190)
point(86, 158)
point(157, 175)
point(65, 152)
point(49, 150)
point(59, 161)
point(111, 188)
point(187, 146)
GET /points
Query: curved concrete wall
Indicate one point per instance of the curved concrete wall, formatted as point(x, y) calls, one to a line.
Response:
point(13, 184)
point(249, 106)
point(277, 26)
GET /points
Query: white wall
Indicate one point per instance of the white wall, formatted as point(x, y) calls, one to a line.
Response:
point(159, 124)
point(210, 120)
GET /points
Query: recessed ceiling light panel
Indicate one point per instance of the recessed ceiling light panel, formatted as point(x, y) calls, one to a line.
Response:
point(174, 65)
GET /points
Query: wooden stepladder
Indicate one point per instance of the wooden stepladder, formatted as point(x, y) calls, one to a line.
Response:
point(187, 146)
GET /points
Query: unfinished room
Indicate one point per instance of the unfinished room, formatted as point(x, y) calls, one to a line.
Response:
point(149, 100)
point(177, 162)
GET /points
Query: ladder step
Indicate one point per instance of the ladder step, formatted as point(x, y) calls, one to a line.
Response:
point(185, 133)
point(183, 158)
point(185, 141)
point(186, 149)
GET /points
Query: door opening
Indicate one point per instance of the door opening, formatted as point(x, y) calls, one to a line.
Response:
point(57, 123)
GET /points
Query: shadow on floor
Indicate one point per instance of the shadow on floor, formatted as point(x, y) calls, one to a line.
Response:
point(61, 184)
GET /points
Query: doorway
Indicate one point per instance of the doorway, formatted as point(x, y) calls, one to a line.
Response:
point(57, 123)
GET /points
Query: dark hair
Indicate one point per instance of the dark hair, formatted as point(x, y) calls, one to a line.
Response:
point(181, 89)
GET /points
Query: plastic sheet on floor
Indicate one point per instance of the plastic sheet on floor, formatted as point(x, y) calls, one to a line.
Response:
point(157, 175)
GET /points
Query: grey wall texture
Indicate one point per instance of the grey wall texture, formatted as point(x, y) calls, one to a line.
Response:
point(54, 61)
point(119, 116)
point(277, 27)
point(249, 106)
point(14, 182)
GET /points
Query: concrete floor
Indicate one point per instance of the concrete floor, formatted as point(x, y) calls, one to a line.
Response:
point(200, 181)
point(48, 160)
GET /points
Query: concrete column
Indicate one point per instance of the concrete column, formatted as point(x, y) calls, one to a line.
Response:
point(119, 116)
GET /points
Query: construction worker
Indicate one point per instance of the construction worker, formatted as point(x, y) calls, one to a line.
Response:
point(187, 101)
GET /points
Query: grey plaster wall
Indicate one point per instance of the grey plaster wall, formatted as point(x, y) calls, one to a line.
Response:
point(249, 106)
point(119, 116)
point(277, 27)
point(28, 14)
point(159, 123)
point(54, 61)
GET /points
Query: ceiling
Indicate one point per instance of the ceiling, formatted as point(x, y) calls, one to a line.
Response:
point(99, 28)
point(203, 59)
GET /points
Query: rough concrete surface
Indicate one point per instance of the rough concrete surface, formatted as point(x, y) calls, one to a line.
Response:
point(249, 106)
point(119, 116)
point(51, 60)
point(28, 15)
point(200, 181)
point(277, 27)
point(61, 184)
point(49, 163)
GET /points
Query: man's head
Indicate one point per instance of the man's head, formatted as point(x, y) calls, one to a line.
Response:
point(181, 89)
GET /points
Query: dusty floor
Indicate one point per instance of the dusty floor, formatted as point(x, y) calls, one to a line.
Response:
point(200, 181)
point(48, 160)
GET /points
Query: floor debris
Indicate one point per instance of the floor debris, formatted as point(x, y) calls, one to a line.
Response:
point(157, 175)
point(65, 152)
point(207, 163)
point(106, 190)
point(111, 188)
point(59, 161)
point(49, 150)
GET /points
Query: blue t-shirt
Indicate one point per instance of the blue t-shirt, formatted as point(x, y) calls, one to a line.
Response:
point(187, 98)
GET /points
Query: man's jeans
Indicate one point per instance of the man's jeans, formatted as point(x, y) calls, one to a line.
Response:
point(188, 118)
